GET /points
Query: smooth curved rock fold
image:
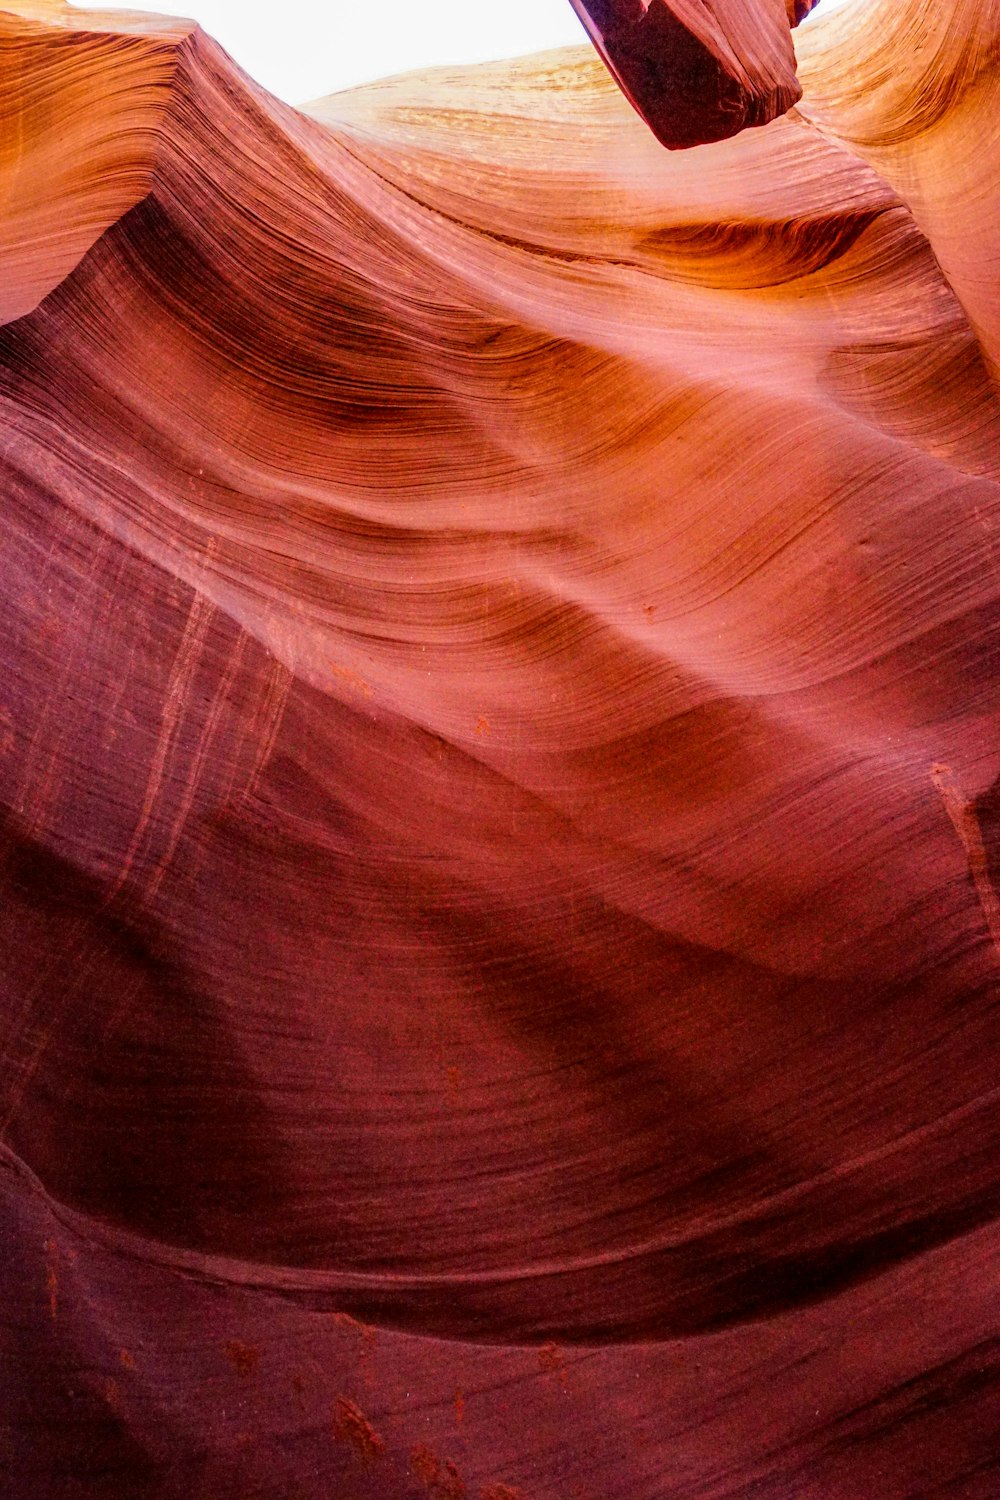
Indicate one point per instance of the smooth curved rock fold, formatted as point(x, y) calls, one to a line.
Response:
point(499, 814)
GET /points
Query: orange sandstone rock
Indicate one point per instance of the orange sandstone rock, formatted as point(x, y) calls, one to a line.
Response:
point(487, 599)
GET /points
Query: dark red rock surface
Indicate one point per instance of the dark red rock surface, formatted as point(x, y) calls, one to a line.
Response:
point(699, 70)
point(499, 807)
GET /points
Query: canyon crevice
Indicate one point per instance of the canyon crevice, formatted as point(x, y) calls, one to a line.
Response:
point(500, 776)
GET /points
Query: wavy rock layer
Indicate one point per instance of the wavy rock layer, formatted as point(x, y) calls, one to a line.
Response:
point(500, 802)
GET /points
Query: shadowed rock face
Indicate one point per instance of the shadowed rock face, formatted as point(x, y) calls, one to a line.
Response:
point(699, 70)
point(499, 813)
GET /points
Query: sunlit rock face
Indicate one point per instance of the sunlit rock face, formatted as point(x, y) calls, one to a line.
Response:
point(500, 741)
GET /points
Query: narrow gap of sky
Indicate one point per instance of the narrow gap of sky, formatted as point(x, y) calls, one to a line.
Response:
point(302, 49)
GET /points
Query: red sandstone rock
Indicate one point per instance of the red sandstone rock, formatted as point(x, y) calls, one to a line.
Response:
point(499, 717)
point(698, 70)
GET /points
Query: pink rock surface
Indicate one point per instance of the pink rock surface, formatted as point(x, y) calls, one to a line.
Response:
point(499, 778)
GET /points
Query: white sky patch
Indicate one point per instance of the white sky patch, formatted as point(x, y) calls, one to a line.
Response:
point(303, 49)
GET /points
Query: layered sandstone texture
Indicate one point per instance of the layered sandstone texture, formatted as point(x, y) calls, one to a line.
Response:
point(499, 777)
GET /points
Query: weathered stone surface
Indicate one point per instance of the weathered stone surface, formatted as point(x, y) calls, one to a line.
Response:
point(698, 70)
point(498, 794)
